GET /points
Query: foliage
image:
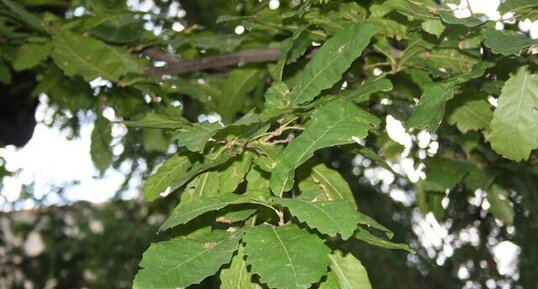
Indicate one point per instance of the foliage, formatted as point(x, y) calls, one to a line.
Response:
point(262, 199)
point(76, 246)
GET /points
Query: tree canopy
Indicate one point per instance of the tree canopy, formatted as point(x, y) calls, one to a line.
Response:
point(284, 139)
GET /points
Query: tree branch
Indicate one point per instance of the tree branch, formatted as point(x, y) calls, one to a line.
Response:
point(177, 66)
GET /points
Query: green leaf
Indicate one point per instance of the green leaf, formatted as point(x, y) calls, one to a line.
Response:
point(518, 6)
point(202, 186)
point(257, 180)
point(119, 27)
point(238, 84)
point(469, 113)
point(328, 217)
point(473, 21)
point(166, 179)
point(349, 271)
point(23, 15)
point(371, 223)
point(514, 129)
point(501, 206)
point(234, 174)
point(290, 50)
point(157, 120)
point(100, 149)
point(331, 282)
point(187, 211)
point(30, 55)
point(196, 137)
point(361, 94)
point(430, 201)
point(154, 140)
point(91, 58)
point(431, 108)
point(181, 262)
point(286, 256)
point(333, 59)
point(210, 161)
point(412, 9)
point(434, 27)
point(364, 235)
point(506, 42)
point(334, 123)
point(443, 174)
point(5, 74)
point(333, 185)
point(237, 275)
point(276, 97)
point(443, 62)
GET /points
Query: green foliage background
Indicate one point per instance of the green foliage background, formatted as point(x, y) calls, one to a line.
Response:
point(279, 193)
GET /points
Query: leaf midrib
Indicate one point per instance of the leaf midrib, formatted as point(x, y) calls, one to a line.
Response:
point(166, 175)
point(316, 75)
point(324, 212)
point(341, 271)
point(195, 256)
point(318, 173)
point(287, 255)
point(84, 61)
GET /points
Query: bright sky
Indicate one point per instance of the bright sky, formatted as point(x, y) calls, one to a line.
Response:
point(51, 161)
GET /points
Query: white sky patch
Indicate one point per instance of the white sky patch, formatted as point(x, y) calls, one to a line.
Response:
point(377, 71)
point(211, 117)
point(274, 4)
point(141, 5)
point(178, 27)
point(397, 133)
point(239, 29)
point(50, 161)
point(534, 30)
point(525, 25)
point(467, 8)
point(506, 254)
point(33, 245)
point(166, 192)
